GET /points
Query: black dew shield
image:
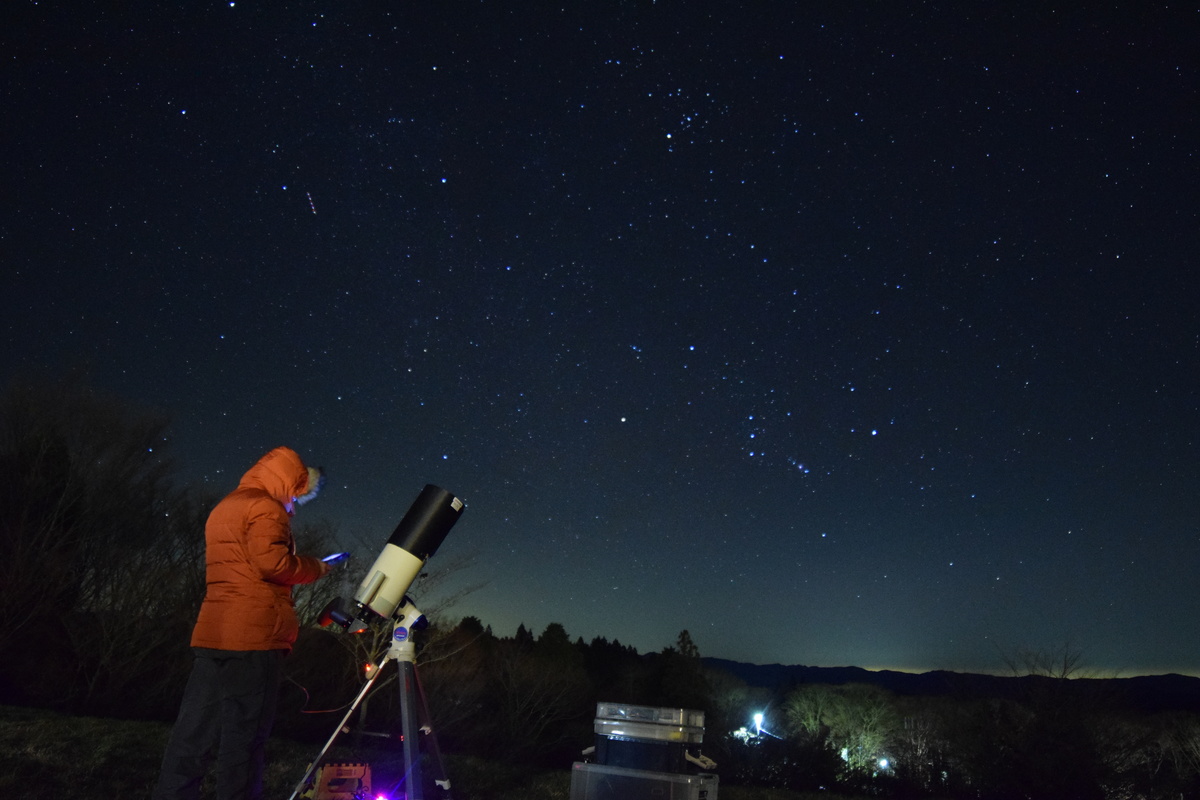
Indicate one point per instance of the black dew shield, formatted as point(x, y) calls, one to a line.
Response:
point(427, 522)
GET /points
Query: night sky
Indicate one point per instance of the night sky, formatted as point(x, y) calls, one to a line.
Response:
point(836, 334)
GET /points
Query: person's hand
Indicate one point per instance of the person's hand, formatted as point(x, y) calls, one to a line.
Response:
point(326, 568)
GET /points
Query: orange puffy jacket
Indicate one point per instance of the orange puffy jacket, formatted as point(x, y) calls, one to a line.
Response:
point(250, 558)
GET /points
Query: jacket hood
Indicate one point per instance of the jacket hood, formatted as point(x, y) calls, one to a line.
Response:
point(280, 473)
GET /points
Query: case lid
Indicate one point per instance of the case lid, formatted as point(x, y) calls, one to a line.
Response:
point(650, 714)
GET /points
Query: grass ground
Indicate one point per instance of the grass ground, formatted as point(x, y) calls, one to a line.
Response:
point(47, 755)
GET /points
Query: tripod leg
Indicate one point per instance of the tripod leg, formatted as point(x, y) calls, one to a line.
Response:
point(415, 717)
point(410, 732)
point(441, 779)
point(316, 762)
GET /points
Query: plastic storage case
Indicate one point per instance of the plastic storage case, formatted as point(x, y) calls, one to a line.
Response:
point(343, 782)
point(647, 738)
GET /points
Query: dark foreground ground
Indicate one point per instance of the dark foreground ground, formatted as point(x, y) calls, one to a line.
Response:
point(47, 755)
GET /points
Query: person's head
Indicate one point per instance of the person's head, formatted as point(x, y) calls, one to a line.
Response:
point(284, 476)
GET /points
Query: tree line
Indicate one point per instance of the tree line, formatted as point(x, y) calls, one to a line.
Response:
point(102, 573)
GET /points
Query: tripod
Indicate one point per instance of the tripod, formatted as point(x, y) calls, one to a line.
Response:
point(403, 651)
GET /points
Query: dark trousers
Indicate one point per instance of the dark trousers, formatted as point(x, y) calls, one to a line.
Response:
point(227, 711)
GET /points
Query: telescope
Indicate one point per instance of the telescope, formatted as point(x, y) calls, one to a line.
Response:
point(382, 596)
point(415, 539)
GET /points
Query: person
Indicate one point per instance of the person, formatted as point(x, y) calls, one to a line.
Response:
point(247, 624)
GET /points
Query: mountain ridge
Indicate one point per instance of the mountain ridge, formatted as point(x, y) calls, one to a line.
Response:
point(1147, 693)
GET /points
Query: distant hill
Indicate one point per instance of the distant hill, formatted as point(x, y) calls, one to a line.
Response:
point(1149, 694)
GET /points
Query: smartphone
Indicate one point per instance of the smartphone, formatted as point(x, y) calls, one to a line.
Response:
point(334, 558)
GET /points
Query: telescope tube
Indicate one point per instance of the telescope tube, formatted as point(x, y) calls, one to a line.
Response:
point(415, 539)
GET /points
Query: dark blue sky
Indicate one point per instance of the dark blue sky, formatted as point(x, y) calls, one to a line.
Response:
point(857, 336)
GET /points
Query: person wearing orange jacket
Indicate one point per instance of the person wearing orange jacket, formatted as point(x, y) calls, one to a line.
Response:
point(247, 624)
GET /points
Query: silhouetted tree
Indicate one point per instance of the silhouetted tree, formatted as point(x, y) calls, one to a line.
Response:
point(681, 680)
point(539, 690)
point(923, 754)
point(618, 673)
point(96, 547)
point(523, 639)
point(1038, 742)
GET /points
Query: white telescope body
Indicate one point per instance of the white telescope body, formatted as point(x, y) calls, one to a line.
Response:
point(415, 539)
point(388, 580)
